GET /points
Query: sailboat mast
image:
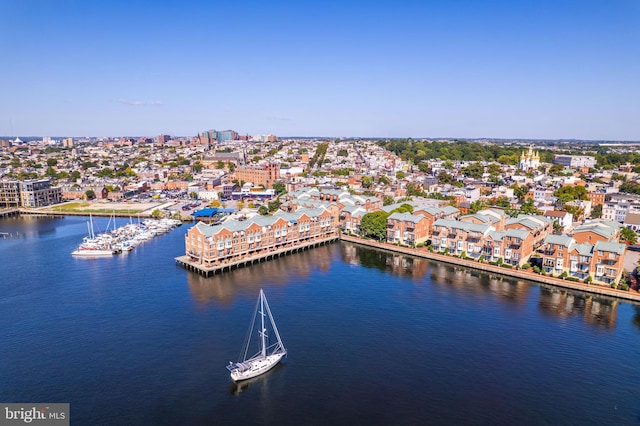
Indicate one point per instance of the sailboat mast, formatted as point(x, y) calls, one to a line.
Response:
point(263, 333)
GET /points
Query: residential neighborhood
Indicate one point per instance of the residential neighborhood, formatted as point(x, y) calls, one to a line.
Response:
point(564, 218)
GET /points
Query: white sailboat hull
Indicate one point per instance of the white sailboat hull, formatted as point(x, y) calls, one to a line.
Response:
point(92, 253)
point(255, 367)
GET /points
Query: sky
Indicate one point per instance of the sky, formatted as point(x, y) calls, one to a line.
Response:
point(544, 69)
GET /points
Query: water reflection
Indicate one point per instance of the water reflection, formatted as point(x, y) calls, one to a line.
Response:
point(396, 264)
point(224, 288)
point(595, 310)
point(24, 227)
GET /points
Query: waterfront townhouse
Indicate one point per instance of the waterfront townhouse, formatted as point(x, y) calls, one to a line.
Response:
point(234, 239)
point(538, 226)
point(432, 214)
point(602, 261)
point(593, 231)
point(494, 217)
point(407, 228)
point(513, 246)
point(456, 237)
point(350, 218)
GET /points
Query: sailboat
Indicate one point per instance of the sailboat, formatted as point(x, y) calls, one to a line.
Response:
point(269, 354)
point(92, 245)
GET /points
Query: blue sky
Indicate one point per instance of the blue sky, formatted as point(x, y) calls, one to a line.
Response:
point(547, 69)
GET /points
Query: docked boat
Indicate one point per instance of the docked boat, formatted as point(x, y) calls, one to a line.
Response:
point(268, 355)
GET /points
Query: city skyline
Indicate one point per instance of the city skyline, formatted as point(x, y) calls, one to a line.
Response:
point(521, 70)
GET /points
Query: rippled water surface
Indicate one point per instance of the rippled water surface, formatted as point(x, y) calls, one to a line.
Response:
point(373, 338)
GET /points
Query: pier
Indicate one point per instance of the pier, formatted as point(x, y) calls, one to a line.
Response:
point(9, 212)
point(194, 265)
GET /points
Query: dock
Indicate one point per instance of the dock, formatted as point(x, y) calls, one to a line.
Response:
point(205, 270)
point(9, 212)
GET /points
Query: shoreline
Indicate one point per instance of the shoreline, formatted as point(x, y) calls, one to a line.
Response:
point(630, 296)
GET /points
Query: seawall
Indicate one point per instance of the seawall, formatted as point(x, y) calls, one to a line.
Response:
point(526, 275)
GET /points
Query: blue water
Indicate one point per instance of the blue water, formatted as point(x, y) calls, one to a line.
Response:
point(373, 338)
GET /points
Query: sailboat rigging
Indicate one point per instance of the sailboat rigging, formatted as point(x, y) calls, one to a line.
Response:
point(269, 354)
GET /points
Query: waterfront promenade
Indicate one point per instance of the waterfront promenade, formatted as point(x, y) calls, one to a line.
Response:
point(526, 275)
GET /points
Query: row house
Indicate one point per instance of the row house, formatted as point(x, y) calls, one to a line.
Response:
point(564, 219)
point(350, 218)
point(456, 237)
point(513, 246)
point(234, 240)
point(431, 214)
point(597, 230)
point(602, 261)
point(480, 239)
point(407, 228)
point(494, 217)
point(538, 226)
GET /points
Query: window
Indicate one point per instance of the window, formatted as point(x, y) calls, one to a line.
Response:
point(559, 263)
point(496, 251)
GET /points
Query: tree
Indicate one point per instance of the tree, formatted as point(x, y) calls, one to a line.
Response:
point(263, 210)
point(367, 181)
point(220, 165)
point(52, 162)
point(75, 175)
point(343, 153)
point(629, 235)
point(387, 200)
point(375, 225)
point(400, 174)
point(279, 187)
point(240, 205)
point(90, 194)
point(444, 178)
point(193, 195)
point(384, 180)
point(596, 212)
point(529, 208)
point(156, 213)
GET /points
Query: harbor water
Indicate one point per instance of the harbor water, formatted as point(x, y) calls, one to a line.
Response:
point(372, 338)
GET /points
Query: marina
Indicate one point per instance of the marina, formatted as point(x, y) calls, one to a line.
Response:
point(122, 239)
point(373, 337)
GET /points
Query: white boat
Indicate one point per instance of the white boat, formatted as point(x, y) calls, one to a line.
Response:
point(267, 356)
point(87, 251)
point(92, 245)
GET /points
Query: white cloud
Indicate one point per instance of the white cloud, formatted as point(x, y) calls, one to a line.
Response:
point(139, 103)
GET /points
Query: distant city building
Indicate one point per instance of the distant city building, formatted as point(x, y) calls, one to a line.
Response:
point(39, 193)
point(529, 160)
point(575, 161)
point(29, 193)
point(9, 193)
point(163, 139)
point(67, 143)
point(265, 175)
